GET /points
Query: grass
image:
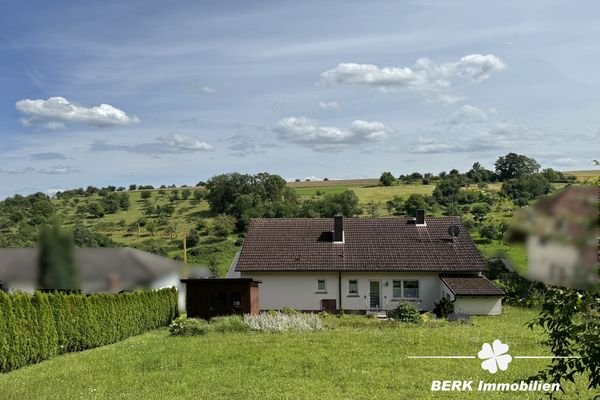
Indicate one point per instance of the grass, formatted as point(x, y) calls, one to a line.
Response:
point(347, 362)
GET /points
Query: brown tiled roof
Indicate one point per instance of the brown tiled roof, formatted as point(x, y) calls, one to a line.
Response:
point(471, 285)
point(371, 244)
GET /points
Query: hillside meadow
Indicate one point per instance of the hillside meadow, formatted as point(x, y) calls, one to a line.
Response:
point(350, 360)
point(126, 227)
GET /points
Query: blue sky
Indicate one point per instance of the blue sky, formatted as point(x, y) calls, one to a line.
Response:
point(167, 92)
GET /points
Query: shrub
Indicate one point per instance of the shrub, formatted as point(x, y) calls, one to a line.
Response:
point(459, 318)
point(231, 323)
point(35, 328)
point(287, 310)
point(443, 308)
point(279, 322)
point(406, 312)
point(183, 326)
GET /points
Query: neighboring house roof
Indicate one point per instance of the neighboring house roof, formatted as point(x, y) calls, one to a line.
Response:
point(370, 244)
point(471, 285)
point(100, 269)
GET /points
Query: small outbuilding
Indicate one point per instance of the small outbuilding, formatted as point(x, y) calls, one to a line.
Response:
point(211, 297)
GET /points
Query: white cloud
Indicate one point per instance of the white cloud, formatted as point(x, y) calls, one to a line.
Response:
point(172, 143)
point(468, 114)
point(56, 112)
point(207, 90)
point(474, 129)
point(424, 76)
point(53, 170)
point(58, 170)
point(183, 142)
point(309, 133)
point(565, 162)
point(16, 171)
point(329, 105)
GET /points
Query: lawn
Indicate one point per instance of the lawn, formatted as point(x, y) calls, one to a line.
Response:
point(341, 363)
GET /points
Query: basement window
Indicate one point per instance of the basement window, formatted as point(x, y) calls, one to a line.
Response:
point(321, 285)
point(353, 287)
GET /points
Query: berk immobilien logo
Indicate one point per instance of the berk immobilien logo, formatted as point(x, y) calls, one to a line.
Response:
point(494, 358)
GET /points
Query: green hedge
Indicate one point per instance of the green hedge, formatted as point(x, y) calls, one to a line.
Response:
point(39, 326)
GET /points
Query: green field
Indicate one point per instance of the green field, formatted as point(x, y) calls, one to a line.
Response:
point(340, 363)
point(189, 212)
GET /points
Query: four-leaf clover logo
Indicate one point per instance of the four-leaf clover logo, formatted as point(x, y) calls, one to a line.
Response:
point(494, 356)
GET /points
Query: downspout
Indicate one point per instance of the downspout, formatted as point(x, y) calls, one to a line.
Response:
point(340, 288)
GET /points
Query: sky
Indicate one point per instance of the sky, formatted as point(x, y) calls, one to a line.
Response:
point(157, 92)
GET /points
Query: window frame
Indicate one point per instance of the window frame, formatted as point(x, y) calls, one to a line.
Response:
point(394, 288)
point(404, 296)
point(324, 290)
point(401, 289)
point(350, 292)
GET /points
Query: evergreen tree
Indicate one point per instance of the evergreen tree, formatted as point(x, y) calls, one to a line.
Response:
point(57, 269)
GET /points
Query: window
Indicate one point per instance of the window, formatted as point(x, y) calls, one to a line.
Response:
point(405, 289)
point(321, 286)
point(353, 287)
point(410, 289)
point(397, 289)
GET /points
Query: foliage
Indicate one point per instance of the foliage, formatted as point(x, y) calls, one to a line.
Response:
point(415, 202)
point(345, 203)
point(443, 307)
point(230, 323)
point(56, 263)
point(280, 322)
point(515, 165)
point(571, 320)
point(518, 290)
point(85, 237)
point(526, 187)
point(446, 190)
point(405, 312)
point(387, 179)
point(223, 225)
point(35, 328)
point(251, 196)
point(182, 326)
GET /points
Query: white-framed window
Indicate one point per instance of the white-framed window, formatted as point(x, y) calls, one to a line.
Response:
point(321, 285)
point(408, 289)
point(353, 287)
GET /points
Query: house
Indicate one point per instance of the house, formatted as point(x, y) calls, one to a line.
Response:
point(365, 264)
point(101, 270)
point(561, 235)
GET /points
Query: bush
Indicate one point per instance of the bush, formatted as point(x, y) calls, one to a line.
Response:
point(443, 308)
point(183, 326)
point(279, 322)
point(35, 328)
point(231, 323)
point(287, 310)
point(406, 312)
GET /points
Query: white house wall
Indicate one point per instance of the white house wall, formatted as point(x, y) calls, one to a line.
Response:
point(479, 305)
point(299, 289)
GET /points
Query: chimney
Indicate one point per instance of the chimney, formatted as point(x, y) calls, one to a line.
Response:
point(420, 217)
point(338, 229)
